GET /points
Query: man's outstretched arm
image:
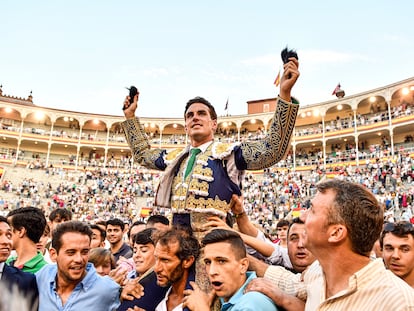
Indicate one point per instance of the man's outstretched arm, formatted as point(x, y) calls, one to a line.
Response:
point(137, 138)
point(273, 148)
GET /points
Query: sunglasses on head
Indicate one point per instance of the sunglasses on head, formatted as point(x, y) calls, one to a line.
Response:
point(402, 227)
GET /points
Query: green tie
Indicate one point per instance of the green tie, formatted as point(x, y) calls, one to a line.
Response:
point(191, 161)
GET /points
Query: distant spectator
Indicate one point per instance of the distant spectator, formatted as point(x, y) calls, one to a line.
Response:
point(158, 222)
point(57, 216)
point(114, 233)
point(135, 228)
point(41, 245)
point(102, 260)
point(98, 236)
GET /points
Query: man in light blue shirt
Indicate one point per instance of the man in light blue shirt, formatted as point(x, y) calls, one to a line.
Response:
point(72, 283)
point(226, 265)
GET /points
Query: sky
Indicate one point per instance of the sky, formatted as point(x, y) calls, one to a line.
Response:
point(80, 55)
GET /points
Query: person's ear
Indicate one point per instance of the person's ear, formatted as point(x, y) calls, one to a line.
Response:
point(337, 233)
point(244, 265)
point(188, 262)
point(53, 254)
point(21, 232)
point(214, 125)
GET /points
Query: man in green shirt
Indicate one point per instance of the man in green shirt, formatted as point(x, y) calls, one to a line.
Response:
point(28, 224)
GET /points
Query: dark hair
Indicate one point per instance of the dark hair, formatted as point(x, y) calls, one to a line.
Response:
point(400, 229)
point(69, 226)
point(99, 255)
point(145, 236)
point(227, 236)
point(47, 229)
point(135, 223)
point(203, 101)
point(30, 218)
point(3, 219)
point(61, 213)
point(295, 220)
point(101, 231)
point(356, 208)
point(116, 222)
point(101, 222)
point(283, 223)
point(187, 244)
point(153, 219)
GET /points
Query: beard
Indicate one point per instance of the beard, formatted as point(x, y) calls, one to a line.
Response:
point(176, 275)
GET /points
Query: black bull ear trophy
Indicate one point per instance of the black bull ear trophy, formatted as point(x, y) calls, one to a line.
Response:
point(286, 54)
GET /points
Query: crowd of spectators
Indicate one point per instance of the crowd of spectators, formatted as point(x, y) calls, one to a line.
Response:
point(104, 193)
point(90, 194)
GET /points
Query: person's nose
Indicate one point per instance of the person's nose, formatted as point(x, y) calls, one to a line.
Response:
point(300, 242)
point(396, 253)
point(212, 269)
point(196, 117)
point(157, 266)
point(4, 239)
point(77, 257)
point(137, 254)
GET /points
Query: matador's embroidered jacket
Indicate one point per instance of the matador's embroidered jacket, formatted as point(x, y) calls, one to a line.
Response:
point(218, 172)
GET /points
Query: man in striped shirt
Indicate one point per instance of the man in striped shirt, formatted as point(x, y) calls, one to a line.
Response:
point(341, 226)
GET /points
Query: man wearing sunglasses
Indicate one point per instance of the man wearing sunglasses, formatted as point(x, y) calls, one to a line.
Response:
point(397, 244)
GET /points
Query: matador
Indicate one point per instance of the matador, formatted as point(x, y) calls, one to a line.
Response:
point(217, 173)
point(219, 167)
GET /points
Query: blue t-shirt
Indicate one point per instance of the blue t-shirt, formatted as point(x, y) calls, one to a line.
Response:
point(249, 301)
point(94, 292)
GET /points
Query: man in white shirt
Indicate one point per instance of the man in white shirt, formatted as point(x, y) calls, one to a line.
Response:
point(175, 254)
point(341, 227)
